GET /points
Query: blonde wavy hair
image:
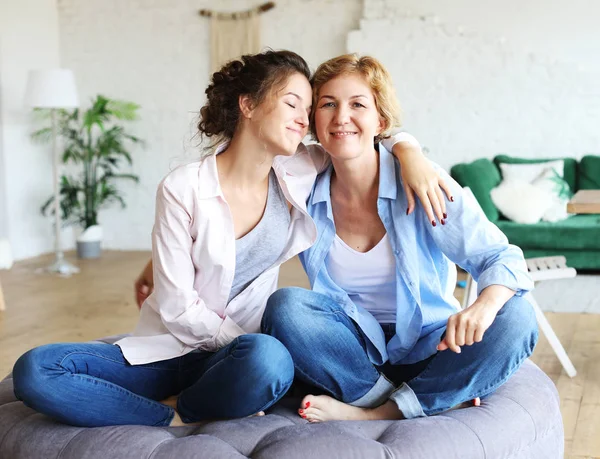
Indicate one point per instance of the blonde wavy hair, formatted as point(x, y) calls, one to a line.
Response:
point(376, 76)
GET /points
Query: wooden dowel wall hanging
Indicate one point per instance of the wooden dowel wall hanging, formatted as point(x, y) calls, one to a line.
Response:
point(234, 34)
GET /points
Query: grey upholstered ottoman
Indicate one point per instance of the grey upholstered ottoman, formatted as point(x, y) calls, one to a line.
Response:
point(521, 420)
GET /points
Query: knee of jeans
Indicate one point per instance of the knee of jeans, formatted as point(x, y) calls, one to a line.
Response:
point(270, 359)
point(282, 307)
point(519, 322)
point(29, 376)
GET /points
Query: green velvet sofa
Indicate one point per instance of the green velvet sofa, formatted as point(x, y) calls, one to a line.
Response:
point(577, 238)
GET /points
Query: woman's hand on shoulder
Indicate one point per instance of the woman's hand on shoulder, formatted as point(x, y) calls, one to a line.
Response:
point(420, 178)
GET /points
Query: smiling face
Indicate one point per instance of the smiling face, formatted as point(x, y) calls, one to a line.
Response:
point(281, 121)
point(346, 116)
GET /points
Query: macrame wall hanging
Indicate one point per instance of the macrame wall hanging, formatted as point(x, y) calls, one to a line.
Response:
point(234, 34)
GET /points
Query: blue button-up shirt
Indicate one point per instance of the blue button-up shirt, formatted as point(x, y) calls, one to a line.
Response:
point(425, 262)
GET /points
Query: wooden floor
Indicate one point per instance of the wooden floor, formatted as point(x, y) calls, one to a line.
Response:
point(43, 308)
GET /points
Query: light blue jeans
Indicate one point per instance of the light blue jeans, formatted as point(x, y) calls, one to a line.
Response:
point(92, 385)
point(329, 354)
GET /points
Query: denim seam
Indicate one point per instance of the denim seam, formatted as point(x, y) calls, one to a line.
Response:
point(315, 383)
point(281, 393)
point(117, 388)
point(510, 372)
point(108, 359)
point(186, 419)
point(486, 390)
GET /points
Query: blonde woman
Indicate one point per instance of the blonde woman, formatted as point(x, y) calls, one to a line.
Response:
point(380, 335)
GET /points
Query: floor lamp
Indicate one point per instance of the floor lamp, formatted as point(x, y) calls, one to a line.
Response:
point(54, 89)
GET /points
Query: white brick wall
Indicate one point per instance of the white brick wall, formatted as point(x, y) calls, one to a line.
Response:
point(156, 53)
point(475, 77)
point(28, 40)
point(467, 92)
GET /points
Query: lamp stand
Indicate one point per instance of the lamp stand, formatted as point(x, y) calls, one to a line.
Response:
point(60, 265)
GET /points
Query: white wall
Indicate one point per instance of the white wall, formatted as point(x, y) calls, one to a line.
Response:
point(478, 78)
point(28, 40)
point(157, 54)
point(475, 77)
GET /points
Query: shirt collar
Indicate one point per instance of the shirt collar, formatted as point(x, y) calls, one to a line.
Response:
point(388, 187)
point(208, 175)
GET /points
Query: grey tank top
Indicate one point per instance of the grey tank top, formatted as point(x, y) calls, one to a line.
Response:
point(256, 251)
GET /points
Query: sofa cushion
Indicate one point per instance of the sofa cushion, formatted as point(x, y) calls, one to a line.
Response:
point(589, 173)
point(570, 169)
point(521, 419)
point(579, 232)
point(480, 176)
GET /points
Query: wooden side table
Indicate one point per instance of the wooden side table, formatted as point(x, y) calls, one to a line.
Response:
point(585, 202)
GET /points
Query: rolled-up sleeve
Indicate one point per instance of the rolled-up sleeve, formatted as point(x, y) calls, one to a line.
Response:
point(478, 246)
point(181, 309)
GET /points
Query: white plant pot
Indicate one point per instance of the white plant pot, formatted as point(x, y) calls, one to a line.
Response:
point(89, 242)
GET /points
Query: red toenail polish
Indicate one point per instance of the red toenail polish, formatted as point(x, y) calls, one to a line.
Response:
point(307, 405)
point(303, 416)
point(301, 411)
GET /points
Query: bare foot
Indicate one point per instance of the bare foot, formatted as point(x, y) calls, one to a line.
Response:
point(324, 408)
point(318, 408)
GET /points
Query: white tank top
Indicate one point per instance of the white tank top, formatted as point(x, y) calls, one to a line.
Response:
point(369, 278)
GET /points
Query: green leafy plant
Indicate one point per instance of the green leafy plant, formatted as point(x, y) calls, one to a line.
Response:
point(95, 142)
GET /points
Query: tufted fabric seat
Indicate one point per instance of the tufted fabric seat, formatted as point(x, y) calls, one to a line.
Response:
point(521, 420)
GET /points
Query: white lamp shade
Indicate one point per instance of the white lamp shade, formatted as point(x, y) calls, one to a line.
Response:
point(53, 88)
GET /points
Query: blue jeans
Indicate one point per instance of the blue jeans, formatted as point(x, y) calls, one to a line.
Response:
point(329, 353)
point(92, 385)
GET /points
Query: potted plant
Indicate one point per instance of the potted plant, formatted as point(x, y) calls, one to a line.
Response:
point(95, 146)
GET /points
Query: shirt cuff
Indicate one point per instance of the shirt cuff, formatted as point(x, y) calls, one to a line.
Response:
point(520, 282)
point(228, 331)
point(404, 137)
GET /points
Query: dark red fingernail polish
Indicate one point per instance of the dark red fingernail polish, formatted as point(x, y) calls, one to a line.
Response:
point(406, 211)
point(307, 405)
point(433, 222)
point(443, 221)
point(452, 198)
point(445, 215)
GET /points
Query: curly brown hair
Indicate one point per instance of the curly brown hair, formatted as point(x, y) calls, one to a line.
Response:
point(376, 76)
point(256, 75)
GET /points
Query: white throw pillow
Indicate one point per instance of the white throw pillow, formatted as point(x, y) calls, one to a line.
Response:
point(530, 172)
point(560, 194)
point(548, 177)
point(521, 201)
